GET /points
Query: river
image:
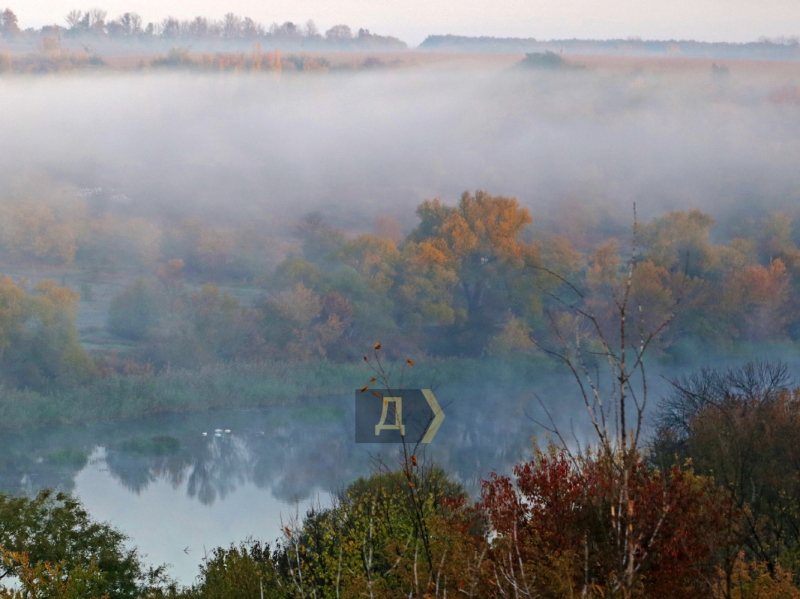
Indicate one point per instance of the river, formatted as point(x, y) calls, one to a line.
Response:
point(181, 484)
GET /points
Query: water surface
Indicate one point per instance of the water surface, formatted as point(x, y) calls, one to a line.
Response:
point(180, 485)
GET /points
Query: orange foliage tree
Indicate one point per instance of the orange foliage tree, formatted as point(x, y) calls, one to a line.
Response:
point(470, 256)
point(557, 528)
point(755, 301)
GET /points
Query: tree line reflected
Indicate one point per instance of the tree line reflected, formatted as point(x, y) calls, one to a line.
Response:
point(287, 450)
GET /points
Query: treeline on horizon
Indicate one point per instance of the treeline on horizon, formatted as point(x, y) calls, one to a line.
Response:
point(784, 48)
point(94, 26)
point(471, 280)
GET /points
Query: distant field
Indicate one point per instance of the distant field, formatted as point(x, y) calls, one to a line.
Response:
point(462, 60)
point(675, 64)
point(357, 59)
point(116, 58)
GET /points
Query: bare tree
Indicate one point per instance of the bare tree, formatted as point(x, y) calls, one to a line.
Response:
point(232, 26)
point(131, 23)
point(97, 20)
point(199, 27)
point(74, 20)
point(591, 346)
point(8, 23)
point(311, 29)
point(740, 425)
point(170, 28)
point(250, 29)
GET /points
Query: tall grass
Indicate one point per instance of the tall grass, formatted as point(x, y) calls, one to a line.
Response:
point(234, 385)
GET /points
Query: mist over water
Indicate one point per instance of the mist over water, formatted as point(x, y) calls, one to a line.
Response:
point(356, 145)
point(179, 492)
point(170, 487)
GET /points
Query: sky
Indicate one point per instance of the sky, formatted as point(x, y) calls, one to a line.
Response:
point(413, 20)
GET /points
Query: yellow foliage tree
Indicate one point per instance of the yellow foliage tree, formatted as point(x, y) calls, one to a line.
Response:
point(43, 580)
point(30, 229)
point(514, 339)
point(311, 329)
point(12, 312)
point(479, 239)
point(375, 258)
point(752, 580)
point(428, 283)
point(680, 240)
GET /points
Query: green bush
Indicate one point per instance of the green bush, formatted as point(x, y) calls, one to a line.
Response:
point(245, 571)
point(134, 311)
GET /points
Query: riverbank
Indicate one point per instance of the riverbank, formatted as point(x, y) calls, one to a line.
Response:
point(242, 385)
point(252, 385)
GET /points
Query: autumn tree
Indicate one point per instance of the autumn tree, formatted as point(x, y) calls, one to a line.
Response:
point(245, 571)
point(368, 543)
point(480, 235)
point(300, 324)
point(739, 425)
point(46, 579)
point(556, 521)
point(204, 249)
point(652, 292)
point(772, 237)
point(754, 302)
point(321, 242)
point(105, 243)
point(31, 229)
point(389, 228)
point(754, 580)
point(514, 339)
point(354, 282)
point(12, 313)
point(292, 271)
point(375, 258)
point(479, 243)
point(680, 241)
point(40, 346)
point(222, 326)
point(427, 286)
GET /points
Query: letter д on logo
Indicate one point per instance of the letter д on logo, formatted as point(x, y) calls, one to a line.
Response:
point(397, 416)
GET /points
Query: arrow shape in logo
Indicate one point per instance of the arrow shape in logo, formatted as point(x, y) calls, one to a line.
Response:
point(438, 416)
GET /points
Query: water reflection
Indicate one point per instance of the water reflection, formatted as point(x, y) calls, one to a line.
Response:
point(293, 452)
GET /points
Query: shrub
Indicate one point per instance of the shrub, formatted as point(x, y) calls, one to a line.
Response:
point(134, 311)
point(243, 571)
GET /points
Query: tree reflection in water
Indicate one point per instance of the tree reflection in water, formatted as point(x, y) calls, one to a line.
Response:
point(287, 450)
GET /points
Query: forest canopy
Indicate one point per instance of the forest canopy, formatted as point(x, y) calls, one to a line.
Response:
point(471, 279)
point(95, 24)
